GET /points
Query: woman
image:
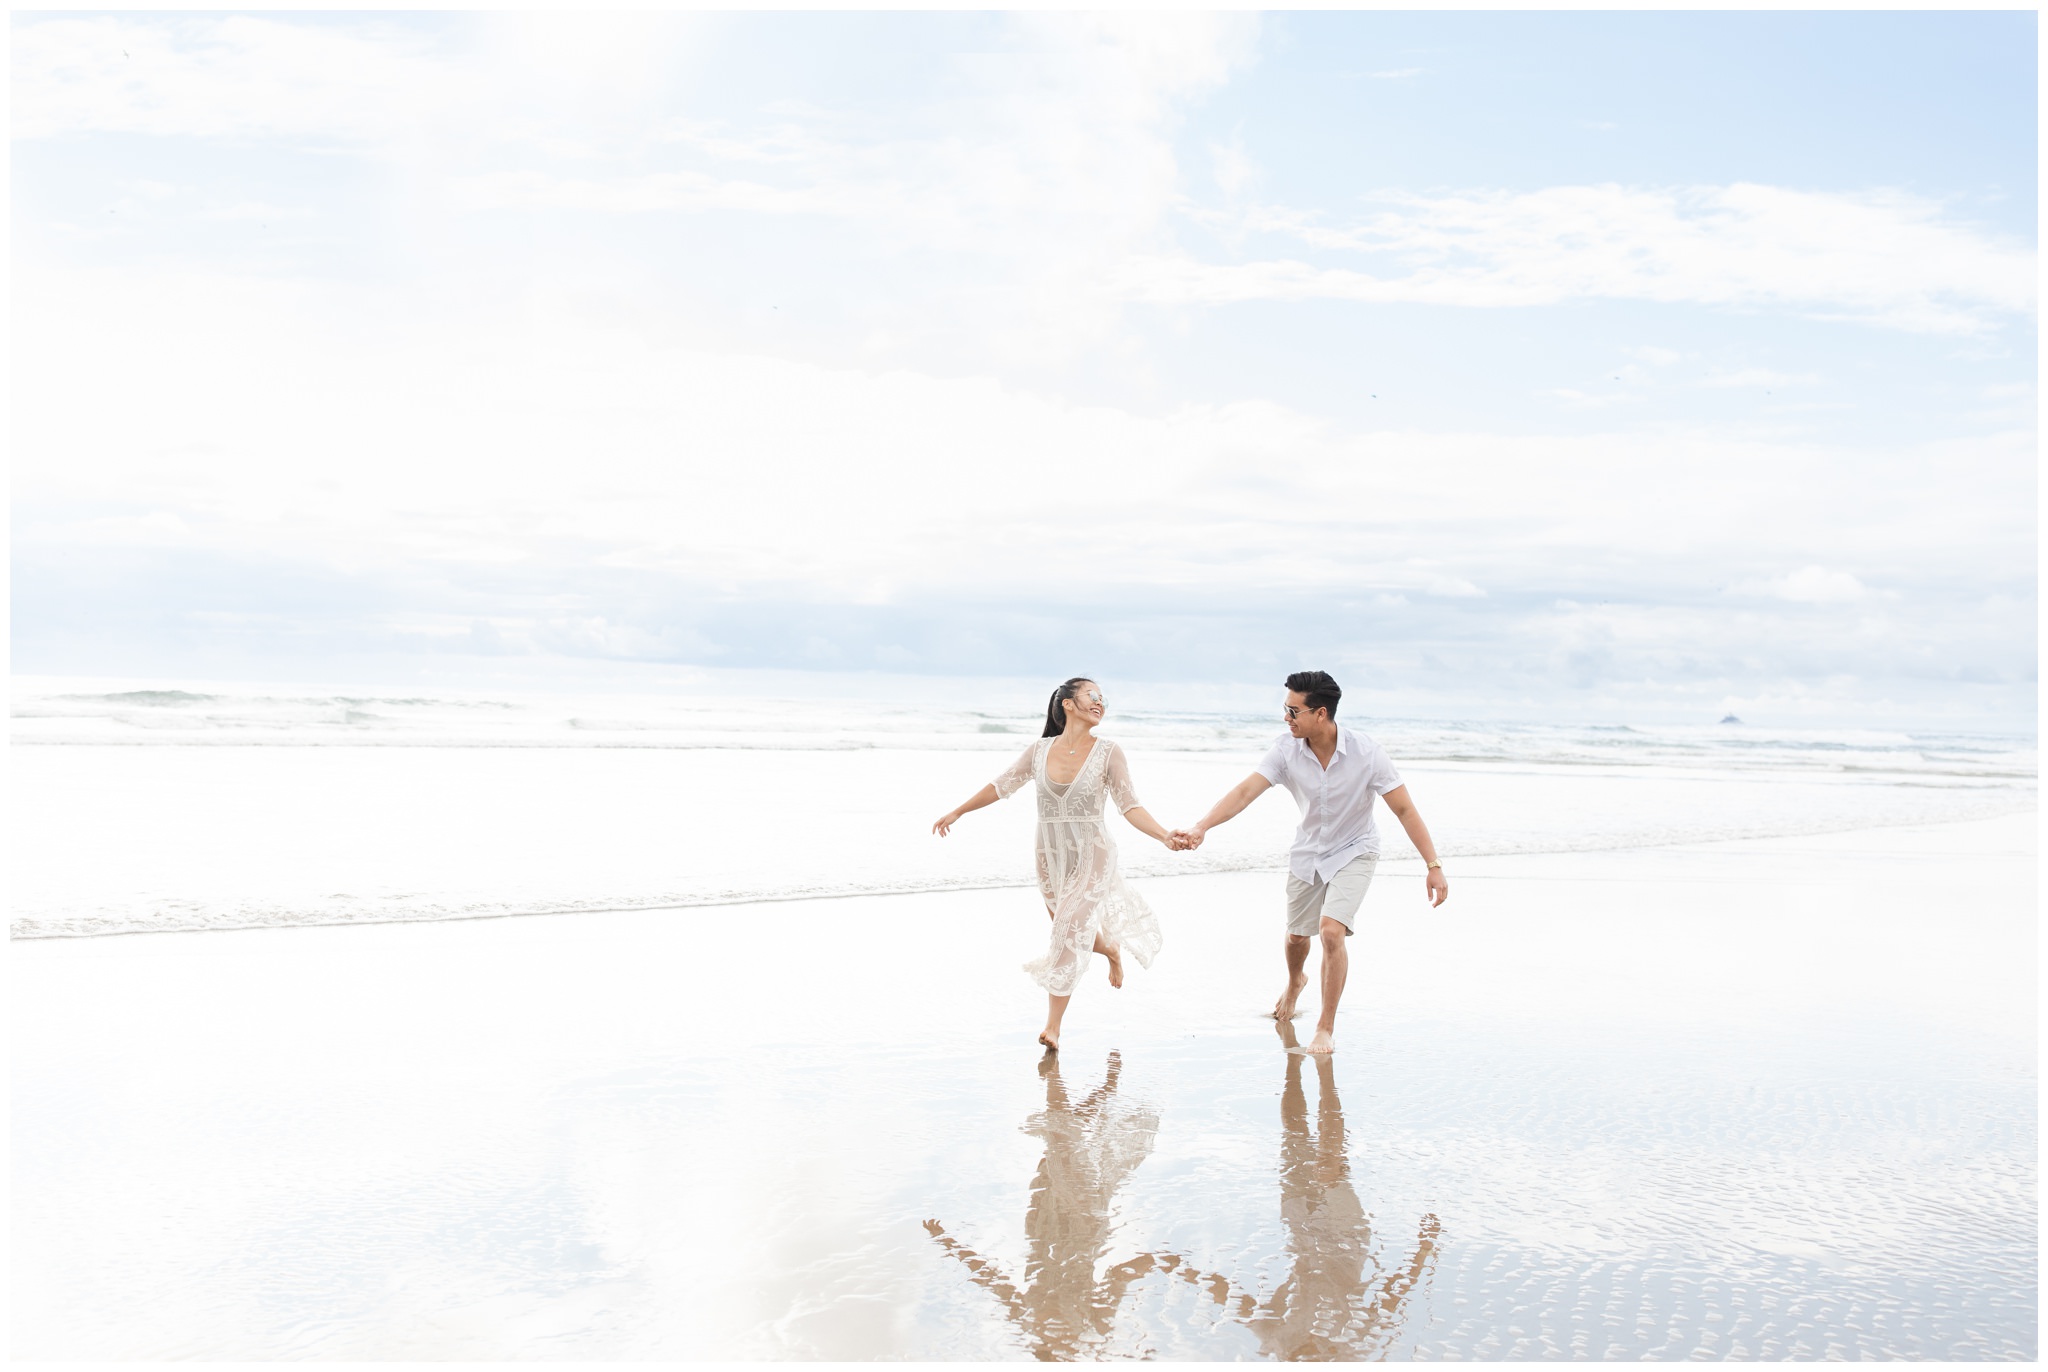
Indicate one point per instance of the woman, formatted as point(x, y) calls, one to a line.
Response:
point(1091, 908)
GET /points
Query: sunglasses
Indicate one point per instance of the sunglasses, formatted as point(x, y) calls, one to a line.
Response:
point(1296, 711)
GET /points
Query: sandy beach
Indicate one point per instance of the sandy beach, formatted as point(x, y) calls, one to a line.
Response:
point(1761, 1098)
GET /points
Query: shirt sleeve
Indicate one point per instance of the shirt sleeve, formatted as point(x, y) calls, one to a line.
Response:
point(1384, 777)
point(1117, 773)
point(1273, 767)
point(1017, 774)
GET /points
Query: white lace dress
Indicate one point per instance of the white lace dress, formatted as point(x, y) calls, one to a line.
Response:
point(1077, 871)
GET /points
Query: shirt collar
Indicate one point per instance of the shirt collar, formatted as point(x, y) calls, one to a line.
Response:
point(1342, 733)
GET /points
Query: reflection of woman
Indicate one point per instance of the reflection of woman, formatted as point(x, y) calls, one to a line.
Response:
point(1091, 1149)
point(1092, 909)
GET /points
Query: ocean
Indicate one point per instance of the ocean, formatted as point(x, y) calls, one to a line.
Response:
point(149, 807)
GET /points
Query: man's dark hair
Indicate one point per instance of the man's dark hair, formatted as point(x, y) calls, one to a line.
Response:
point(1319, 690)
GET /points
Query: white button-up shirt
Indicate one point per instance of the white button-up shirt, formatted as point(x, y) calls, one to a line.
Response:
point(1335, 801)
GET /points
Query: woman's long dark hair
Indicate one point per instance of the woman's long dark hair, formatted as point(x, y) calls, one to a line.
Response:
point(1055, 717)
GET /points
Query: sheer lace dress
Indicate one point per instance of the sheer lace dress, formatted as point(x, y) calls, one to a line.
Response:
point(1077, 872)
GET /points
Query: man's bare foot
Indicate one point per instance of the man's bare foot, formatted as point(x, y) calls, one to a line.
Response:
point(1052, 1045)
point(1283, 1008)
point(1324, 1042)
point(1116, 966)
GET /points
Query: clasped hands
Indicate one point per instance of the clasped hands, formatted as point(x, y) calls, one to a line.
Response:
point(1184, 840)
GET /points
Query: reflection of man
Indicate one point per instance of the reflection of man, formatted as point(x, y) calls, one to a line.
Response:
point(1091, 1149)
point(1334, 774)
point(1329, 1307)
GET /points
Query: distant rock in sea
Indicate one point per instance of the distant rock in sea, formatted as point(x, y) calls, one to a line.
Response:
point(1730, 719)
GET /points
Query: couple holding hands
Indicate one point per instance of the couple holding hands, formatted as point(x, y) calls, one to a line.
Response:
point(1333, 773)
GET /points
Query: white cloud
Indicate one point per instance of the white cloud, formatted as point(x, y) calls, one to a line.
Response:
point(256, 211)
point(1589, 400)
point(654, 192)
point(394, 436)
point(1231, 166)
point(1810, 586)
point(1051, 159)
point(781, 144)
point(1883, 258)
point(578, 487)
point(233, 77)
point(1013, 176)
point(1760, 378)
point(375, 84)
point(566, 408)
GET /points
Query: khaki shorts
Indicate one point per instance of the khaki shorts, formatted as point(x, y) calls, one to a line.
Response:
point(1308, 903)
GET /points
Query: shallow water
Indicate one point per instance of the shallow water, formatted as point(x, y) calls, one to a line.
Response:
point(1763, 1099)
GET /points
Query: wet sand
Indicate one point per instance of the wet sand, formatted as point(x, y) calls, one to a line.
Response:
point(1769, 1098)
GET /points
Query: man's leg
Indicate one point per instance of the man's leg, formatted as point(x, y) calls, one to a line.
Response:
point(1297, 976)
point(1339, 915)
point(1304, 907)
point(1336, 966)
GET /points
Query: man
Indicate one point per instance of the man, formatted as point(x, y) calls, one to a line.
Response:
point(1334, 775)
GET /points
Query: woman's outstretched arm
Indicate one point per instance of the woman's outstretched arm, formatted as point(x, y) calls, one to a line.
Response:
point(985, 796)
point(1125, 796)
point(1141, 820)
point(1015, 775)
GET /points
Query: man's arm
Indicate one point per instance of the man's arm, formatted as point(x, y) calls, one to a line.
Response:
point(1397, 800)
point(1232, 805)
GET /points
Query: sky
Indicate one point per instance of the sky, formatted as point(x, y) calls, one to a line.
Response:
point(1593, 365)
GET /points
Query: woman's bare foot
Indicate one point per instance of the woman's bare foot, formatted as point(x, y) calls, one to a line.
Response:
point(1325, 1041)
point(1052, 1044)
point(1116, 965)
point(1283, 1008)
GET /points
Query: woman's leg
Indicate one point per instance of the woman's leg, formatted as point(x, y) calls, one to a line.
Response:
point(1055, 1011)
point(1055, 1007)
point(1115, 956)
point(1108, 950)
